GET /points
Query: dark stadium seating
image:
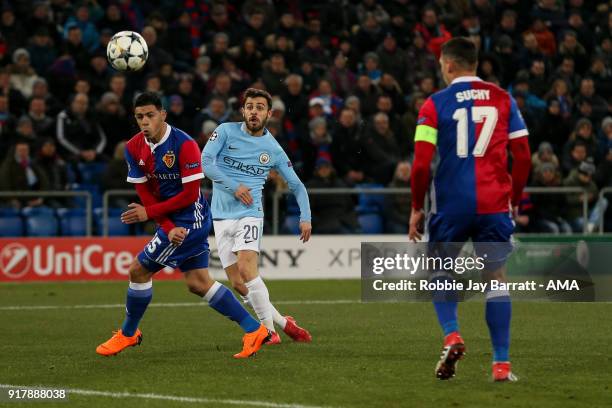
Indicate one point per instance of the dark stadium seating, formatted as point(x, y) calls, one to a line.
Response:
point(73, 221)
point(11, 223)
point(115, 226)
point(291, 225)
point(40, 221)
point(371, 223)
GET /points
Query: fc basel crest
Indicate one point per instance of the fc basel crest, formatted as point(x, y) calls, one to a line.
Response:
point(169, 159)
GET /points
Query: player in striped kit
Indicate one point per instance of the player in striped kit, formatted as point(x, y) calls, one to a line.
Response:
point(164, 165)
point(471, 124)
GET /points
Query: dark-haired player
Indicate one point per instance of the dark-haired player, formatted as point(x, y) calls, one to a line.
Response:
point(238, 158)
point(471, 123)
point(164, 164)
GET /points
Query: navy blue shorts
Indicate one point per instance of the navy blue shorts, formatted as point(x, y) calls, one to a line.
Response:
point(191, 254)
point(490, 233)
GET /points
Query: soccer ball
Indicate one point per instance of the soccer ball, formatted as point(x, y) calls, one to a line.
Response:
point(127, 51)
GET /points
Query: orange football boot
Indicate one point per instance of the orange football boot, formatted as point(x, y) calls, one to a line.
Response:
point(252, 342)
point(118, 342)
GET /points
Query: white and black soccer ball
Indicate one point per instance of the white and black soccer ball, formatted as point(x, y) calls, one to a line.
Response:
point(127, 51)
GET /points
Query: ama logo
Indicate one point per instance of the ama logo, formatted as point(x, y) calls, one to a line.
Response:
point(15, 260)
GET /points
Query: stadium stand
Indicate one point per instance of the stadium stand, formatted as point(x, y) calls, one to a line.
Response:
point(348, 78)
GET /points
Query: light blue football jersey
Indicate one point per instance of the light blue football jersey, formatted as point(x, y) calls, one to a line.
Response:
point(232, 157)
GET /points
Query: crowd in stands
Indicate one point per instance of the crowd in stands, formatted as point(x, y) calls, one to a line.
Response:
point(348, 78)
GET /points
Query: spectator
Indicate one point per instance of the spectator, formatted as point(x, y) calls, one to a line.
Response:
point(583, 177)
point(334, 214)
point(274, 74)
point(114, 122)
point(544, 155)
point(381, 151)
point(78, 133)
point(42, 123)
point(75, 48)
point(118, 86)
point(15, 100)
point(115, 176)
point(157, 55)
point(548, 208)
point(345, 148)
point(12, 31)
point(583, 132)
point(249, 57)
point(331, 102)
point(18, 173)
point(342, 78)
point(589, 103)
point(22, 74)
point(114, 20)
point(7, 125)
point(216, 111)
point(176, 116)
point(41, 51)
point(367, 94)
point(98, 74)
point(294, 99)
point(432, 31)
point(369, 34)
point(318, 143)
point(24, 131)
point(89, 31)
point(570, 47)
point(55, 170)
point(314, 52)
point(397, 216)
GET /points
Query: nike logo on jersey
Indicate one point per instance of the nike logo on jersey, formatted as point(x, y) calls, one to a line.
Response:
point(232, 148)
point(248, 242)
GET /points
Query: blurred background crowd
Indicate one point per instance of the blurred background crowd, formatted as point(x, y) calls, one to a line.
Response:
point(348, 78)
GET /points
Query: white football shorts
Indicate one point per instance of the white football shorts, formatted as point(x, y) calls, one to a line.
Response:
point(233, 235)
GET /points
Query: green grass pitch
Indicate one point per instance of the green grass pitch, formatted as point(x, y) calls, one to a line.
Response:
point(362, 355)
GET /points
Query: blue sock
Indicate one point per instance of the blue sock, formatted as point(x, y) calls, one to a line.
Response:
point(139, 296)
point(223, 301)
point(445, 303)
point(498, 315)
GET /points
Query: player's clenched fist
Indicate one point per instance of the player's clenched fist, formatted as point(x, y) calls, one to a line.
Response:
point(177, 235)
point(136, 213)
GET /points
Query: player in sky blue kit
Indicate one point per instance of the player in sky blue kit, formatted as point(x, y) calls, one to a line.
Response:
point(164, 165)
point(472, 124)
point(237, 158)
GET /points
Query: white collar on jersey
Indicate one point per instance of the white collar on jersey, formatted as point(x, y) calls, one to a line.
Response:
point(466, 79)
point(244, 129)
point(163, 139)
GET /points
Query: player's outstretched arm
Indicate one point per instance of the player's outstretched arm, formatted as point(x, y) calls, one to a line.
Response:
point(209, 161)
point(298, 189)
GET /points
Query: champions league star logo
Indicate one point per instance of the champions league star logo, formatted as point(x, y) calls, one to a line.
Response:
point(264, 158)
point(169, 159)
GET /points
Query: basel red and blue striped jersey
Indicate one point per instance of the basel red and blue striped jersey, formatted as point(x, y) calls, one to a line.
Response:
point(167, 165)
point(470, 123)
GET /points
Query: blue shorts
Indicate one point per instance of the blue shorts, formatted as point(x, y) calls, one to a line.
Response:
point(490, 233)
point(191, 254)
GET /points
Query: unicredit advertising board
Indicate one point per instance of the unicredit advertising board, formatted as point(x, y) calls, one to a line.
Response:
point(69, 259)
